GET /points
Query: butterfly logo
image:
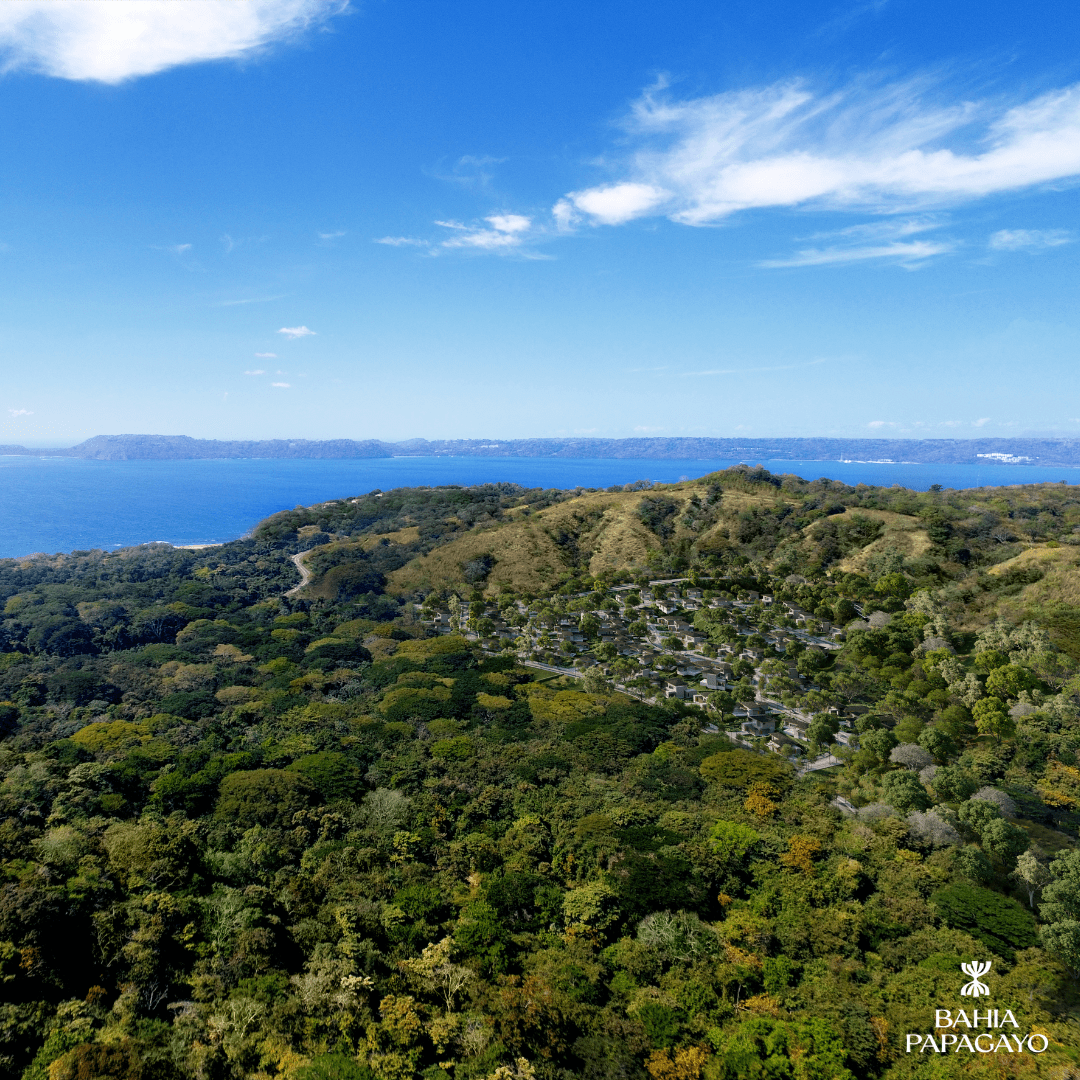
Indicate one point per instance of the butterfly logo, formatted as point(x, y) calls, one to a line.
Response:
point(976, 969)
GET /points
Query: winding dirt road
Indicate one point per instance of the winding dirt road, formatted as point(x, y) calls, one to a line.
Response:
point(305, 573)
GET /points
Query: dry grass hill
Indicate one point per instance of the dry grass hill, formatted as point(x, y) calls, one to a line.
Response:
point(991, 552)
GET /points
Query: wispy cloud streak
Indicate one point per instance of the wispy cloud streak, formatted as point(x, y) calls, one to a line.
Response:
point(862, 148)
point(906, 254)
point(1029, 239)
point(751, 370)
point(506, 231)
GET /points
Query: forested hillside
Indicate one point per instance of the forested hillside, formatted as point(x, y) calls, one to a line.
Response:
point(250, 831)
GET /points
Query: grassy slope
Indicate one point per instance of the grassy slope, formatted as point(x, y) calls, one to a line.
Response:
point(602, 530)
point(902, 533)
point(598, 532)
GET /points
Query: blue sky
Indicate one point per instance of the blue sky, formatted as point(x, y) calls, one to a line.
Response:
point(396, 219)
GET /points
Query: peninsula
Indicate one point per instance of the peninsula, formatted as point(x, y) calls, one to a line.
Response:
point(1019, 451)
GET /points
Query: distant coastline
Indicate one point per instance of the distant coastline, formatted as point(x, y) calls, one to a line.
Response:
point(1020, 451)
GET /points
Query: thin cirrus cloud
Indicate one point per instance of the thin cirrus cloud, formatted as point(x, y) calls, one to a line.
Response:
point(251, 300)
point(878, 424)
point(910, 255)
point(21, 412)
point(401, 241)
point(1029, 239)
point(294, 332)
point(749, 370)
point(256, 371)
point(266, 355)
point(505, 231)
point(468, 171)
point(881, 149)
point(109, 42)
point(879, 240)
point(282, 385)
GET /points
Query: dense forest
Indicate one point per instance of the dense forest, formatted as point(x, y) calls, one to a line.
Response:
point(251, 830)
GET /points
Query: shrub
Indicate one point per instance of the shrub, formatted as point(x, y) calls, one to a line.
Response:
point(331, 774)
point(999, 923)
point(932, 829)
point(263, 797)
point(459, 748)
point(904, 791)
point(954, 783)
point(971, 862)
point(879, 741)
point(680, 937)
point(337, 651)
point(335, 1067)
point(741, 768)
point(733, 841)
point(911, 756)
point(998, 798)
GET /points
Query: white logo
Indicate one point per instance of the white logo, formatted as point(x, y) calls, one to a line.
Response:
point(976, 969)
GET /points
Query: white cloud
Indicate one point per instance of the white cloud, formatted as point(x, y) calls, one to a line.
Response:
point(401, 241)
point(980, 421)
point(564, 214)
point(881, 149)
point(881, 423)
point(502, 232)
point(283, 385)
point(251, 300)
point(257, 371)
point(906, 254)
point(108, 41)
point(294, 332)
point(176, 249)
point(616, 203)
point(328, 236)
point(509, 223)
point(21, 412)
point(506, 231)
point(266, 355)
point(1019, 239)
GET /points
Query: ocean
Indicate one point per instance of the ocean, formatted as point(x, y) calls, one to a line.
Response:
point(69, 504)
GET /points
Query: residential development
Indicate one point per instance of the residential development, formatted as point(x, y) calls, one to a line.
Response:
point(732, 654)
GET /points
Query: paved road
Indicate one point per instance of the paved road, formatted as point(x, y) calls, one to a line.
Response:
point(826, 761)
point(581, 675)
point(305, 573)
point(548, 667)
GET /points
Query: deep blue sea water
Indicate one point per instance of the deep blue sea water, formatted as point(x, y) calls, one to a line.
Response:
point(65, 504)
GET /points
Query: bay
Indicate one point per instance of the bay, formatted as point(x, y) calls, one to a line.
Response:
point(65, 504)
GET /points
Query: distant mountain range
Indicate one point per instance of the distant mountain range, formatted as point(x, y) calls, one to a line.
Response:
point(1064, 452)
